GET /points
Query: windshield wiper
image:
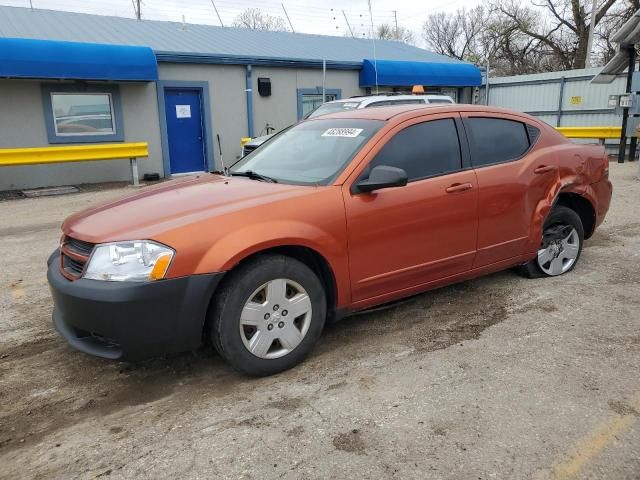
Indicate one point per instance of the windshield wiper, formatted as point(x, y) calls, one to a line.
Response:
point(254, 176)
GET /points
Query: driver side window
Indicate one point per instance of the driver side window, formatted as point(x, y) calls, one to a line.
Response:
point(423, 150)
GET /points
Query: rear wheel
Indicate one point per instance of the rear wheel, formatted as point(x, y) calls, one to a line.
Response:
point(268, 315)
point(561, 246)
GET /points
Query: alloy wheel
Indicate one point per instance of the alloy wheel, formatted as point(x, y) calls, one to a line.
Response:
point(275, 318)
point(559, 254)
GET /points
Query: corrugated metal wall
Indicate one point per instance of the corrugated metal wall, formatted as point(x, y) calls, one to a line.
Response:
point(559, 98)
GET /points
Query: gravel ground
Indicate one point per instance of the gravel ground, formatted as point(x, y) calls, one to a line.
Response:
point(499, 377)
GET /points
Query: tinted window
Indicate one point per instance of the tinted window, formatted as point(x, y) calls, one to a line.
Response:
point(423, 150)
point(495, 140)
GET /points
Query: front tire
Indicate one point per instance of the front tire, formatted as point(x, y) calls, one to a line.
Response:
point(268, 315)
point(562, 239)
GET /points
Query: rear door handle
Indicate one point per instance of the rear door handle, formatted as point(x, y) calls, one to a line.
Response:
point(458, 187)
point(544, 169)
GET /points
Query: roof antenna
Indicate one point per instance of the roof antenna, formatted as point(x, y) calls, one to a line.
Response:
point(348, 26)
point(373, 38)
point(288, 19)
point(216, 9)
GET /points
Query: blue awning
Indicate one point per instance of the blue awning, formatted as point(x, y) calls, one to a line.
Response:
point(393, 73)
point(25, 58)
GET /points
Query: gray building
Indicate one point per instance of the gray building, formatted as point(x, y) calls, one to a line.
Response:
point(69, 78)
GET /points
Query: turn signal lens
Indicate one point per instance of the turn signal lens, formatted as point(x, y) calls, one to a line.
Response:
point(161, 267)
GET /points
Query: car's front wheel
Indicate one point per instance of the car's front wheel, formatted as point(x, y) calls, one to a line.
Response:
point(268, 315)
point(562, 239)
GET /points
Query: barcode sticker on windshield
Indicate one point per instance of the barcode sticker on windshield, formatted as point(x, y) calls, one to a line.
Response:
point(343, 132)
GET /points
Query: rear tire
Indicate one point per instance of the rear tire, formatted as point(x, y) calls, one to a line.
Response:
point(268, 315)
point(563, 236)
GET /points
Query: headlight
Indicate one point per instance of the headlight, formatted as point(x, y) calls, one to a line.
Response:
point(135, 261)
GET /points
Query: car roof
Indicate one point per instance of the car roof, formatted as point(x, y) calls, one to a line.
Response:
point(383, 98)
point(413, 110)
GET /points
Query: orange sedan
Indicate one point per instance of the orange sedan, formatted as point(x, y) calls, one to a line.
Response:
point(336, 214)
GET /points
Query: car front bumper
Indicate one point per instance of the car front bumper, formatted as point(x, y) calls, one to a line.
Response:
point(130, 320)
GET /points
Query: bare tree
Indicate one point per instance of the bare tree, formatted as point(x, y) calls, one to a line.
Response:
point(456, 34)
point(256, 19)
point(401, 34)
point(518, 37)
point(563, 26)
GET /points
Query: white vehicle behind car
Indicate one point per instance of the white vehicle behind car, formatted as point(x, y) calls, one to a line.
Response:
point(355, 103)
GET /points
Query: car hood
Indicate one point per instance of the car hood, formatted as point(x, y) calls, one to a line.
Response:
point(155, 210)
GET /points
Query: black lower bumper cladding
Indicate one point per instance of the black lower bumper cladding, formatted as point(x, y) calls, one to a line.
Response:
point(130, 320)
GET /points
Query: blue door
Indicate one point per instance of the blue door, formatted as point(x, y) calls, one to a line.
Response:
point(183, 109)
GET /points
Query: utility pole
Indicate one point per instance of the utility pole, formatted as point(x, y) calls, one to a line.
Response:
point(137, 7)
point(216, 9)
point(288, 19)
point(622, 150)
point(348, 26)
point(395, 17)
point(587, 60)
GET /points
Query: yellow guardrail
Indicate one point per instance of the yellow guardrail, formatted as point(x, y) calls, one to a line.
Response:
point(600, 133)
point(76, 153)
point(72, 153)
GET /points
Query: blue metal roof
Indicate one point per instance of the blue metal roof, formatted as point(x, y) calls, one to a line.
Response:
point(174, 41)
point(434, 74)
point(24, 58)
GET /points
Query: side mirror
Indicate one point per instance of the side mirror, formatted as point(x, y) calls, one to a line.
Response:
point(382, 176)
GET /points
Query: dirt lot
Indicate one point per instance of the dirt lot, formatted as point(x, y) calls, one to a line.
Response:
point(499, 377)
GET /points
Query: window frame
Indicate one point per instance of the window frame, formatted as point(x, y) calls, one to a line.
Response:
point(522, 121)
point(300, 92)
point(49, 89)
point(360, 170)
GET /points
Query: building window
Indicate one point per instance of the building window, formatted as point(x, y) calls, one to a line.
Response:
point(75, 114)
point(311, 98)
point(83, 114)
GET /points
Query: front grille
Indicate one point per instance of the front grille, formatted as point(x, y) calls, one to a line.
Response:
point(79, 246)
point(75, 254)
point(71, 266)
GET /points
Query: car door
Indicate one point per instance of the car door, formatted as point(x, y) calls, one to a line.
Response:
point(510, 183)
point(404, 237)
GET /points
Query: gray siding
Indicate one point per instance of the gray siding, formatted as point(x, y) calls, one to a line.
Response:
point(22, 124)
point(539, 95)
point(280, 109)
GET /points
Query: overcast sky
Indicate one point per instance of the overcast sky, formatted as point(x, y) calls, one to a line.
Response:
point(320, 17)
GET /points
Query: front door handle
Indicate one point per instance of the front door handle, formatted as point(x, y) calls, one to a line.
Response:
point(458, 187)
point(544, 169)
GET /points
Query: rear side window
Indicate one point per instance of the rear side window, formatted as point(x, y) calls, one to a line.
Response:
point(423, 150)
point(496, 140)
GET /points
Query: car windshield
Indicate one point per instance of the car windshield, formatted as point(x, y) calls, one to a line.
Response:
point(310, 153)
point(333, 107)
